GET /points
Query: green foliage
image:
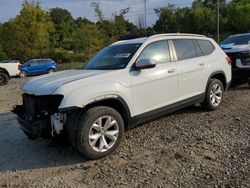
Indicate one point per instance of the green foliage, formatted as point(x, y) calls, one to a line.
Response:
point(28, 35)
point(201, 18)
point(63, 22)
point(87, 39)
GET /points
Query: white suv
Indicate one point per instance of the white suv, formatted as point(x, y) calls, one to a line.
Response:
point(126, 83)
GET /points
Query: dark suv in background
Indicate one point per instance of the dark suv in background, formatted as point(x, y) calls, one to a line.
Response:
point(37, 67)
point(237, 47)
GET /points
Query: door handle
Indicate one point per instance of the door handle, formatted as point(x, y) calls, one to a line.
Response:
point(202, 64)
point(171, 70)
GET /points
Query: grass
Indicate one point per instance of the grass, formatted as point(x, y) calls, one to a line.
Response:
point(70, 65)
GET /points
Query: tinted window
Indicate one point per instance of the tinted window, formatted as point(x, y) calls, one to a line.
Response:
point(44, 61)
point(198, 49)
point(33, 63)
point(157, 51)
point(185, 48)
point(237, 40)
point(206, 46)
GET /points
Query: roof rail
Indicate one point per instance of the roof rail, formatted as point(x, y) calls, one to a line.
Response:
point(176, 34)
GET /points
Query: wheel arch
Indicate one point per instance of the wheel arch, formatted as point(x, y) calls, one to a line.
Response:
point(4, 71)
point(220, 75)
point(117, 103)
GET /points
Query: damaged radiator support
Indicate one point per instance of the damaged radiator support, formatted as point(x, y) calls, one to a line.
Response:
point(34, 115)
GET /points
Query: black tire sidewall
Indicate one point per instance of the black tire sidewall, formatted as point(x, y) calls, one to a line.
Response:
point(208, 104)
point(84, 125)
point(6, 79)
point(51, 70)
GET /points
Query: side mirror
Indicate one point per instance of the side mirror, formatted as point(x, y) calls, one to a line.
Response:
point(28, 65)
point(145, 64)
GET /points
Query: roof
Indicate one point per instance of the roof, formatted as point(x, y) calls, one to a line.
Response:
point(142, 40)
point(241, 34)
point(131, 41)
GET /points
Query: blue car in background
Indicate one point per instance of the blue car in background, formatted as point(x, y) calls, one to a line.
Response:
point(37, 67)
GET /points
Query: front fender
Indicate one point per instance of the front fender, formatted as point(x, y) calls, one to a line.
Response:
point(83, 96)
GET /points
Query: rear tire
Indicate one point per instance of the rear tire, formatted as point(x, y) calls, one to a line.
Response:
point(214, 95)
point(4, 78)
point(98, 132)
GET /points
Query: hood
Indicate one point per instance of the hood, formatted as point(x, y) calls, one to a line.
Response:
point(45, 85)
point(231, 48)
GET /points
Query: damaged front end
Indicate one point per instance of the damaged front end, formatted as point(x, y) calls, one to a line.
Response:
point(37, 113)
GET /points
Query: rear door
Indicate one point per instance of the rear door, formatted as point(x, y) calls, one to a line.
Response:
point(191, 65)
point(43, 66)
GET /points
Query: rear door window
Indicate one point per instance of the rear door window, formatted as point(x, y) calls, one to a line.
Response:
point(206, 46)
point(185, 48)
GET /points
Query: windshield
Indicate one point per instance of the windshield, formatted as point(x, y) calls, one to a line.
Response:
point(237, 40)
point(112, 57)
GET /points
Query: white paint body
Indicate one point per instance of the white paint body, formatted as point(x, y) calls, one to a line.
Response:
point(11, 68)
point(143, 90)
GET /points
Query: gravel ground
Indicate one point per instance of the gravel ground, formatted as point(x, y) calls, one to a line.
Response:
point(188, 148)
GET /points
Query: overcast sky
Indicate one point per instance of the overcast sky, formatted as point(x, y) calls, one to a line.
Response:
point(81, 8)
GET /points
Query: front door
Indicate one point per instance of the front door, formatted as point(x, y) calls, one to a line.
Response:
point(156, 87)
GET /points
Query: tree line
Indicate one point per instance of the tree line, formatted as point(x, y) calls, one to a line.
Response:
point(37, 33)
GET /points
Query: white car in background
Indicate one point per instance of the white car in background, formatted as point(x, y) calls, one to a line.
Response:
point(8, 68)
point(125, 84)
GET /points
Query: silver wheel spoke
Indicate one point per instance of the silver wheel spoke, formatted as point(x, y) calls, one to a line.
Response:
point(105, 142)
point(218, 99)
point(94, 138)
point(112, 135)
point(101, 145)
point(109, 125)
point(96, 127)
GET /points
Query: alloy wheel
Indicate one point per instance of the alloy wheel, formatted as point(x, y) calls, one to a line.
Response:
point(103, 134)
point(216, 94)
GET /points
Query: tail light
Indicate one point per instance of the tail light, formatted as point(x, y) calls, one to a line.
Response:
point(229, 61)
point(19, 67)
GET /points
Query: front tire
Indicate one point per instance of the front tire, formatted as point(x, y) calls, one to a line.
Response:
point(99, 132)
point(214, 95)
point(3, 78)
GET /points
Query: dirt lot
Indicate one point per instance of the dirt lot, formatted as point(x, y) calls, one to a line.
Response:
point(189, 148)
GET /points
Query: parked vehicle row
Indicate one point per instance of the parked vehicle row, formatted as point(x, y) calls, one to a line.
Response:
point(10, 68)
point(125, 84)
point(237, 47)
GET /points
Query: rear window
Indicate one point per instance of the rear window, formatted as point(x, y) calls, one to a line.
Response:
point(206, 46)
point(185, 48)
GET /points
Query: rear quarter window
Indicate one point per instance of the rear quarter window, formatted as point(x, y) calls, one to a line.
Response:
point(206, 46)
